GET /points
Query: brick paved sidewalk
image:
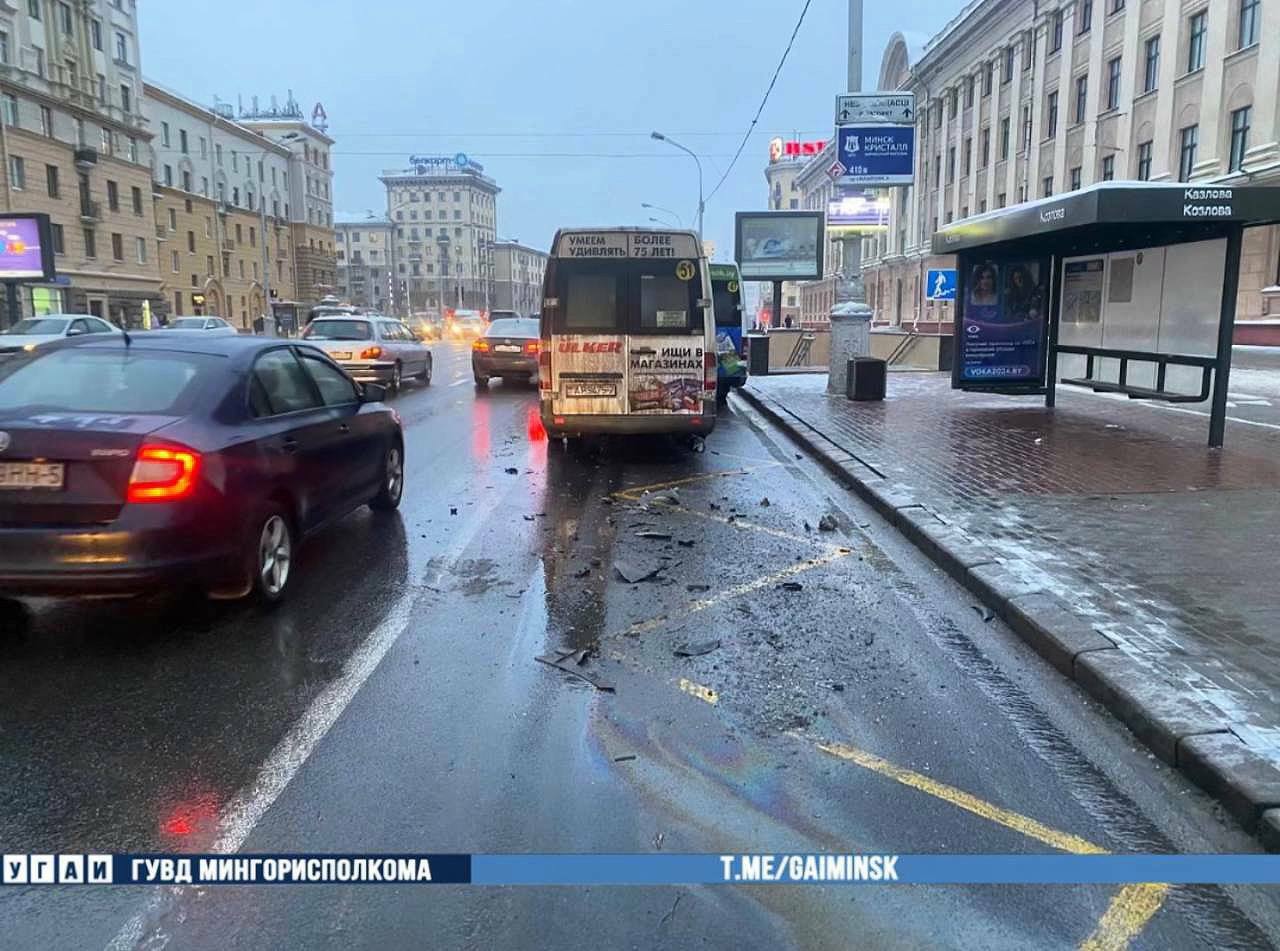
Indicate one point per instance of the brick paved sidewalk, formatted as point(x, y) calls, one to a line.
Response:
point(1166, 548)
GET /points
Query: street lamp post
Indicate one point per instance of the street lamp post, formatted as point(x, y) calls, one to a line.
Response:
point(701, 204)
point(665, 211)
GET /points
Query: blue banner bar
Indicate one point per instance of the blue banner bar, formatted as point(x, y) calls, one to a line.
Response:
point(28, 869)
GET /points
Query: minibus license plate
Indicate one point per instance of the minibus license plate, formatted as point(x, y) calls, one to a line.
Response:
point(591, 388)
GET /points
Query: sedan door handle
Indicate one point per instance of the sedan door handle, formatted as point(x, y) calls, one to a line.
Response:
point(289, 444)
point(344, 428)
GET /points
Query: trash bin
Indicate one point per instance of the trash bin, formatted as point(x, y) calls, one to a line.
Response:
point(865, 378)
point(758, 354)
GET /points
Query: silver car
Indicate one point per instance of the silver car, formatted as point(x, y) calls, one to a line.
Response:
point(373, 349)
point(209, 325)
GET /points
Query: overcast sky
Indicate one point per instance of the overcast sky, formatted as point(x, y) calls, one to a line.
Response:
point(507, 81)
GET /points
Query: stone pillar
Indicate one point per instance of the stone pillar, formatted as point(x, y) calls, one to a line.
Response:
point(1015, 124)
point(1172, 60)
point(1066, 88)
point(850, 337)
point(1097, 96)
point(1211, 98)
point(1264, 128)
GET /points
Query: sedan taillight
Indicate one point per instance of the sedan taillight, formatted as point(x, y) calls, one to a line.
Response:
point(533, 346)
point(163, 474)
point(481, 345)
point(544, 370)
point(370, 353)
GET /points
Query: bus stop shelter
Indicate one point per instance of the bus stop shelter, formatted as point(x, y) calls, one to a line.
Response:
point(1123, 287)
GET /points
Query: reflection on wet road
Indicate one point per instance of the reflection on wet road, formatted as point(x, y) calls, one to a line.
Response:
point(776, 687)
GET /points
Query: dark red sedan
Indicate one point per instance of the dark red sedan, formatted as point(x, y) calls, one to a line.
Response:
point(158, 460)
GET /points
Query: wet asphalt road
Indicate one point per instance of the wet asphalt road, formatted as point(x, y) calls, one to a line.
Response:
point(400, 682)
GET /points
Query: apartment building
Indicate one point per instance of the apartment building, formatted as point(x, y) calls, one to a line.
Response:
point(1022, 99)
point(365, 271)
point(518, 271)
point(221, 211)
point(445, 213)
point(74, 145)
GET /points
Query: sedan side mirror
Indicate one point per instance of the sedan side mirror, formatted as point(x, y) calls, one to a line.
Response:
point(373, 392)
point(76, 332)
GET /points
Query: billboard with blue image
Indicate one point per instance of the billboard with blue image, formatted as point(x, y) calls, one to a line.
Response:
point(1002, 321)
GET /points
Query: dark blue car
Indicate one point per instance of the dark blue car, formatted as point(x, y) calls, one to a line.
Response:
point(163, 460)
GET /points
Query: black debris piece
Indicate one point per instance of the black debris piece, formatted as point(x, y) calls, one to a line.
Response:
point(697, 587)
point(685, 543)
point(791, 586)
point(828, 523)
point(765, 503)
point(511, 470)
point(655, 536)
point(624, 759)
point(634, 573)
point(984, 612)
point(557, 661)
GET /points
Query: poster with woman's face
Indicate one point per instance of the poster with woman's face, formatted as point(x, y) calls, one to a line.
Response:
point(1005, 309)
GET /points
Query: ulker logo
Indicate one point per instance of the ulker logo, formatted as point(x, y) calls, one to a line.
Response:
point(578, 346)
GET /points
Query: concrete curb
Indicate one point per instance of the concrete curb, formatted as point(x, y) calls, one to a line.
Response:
point(1180, 731)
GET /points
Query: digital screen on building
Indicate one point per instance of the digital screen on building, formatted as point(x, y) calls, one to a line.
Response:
point(26, 248)
point(1003, 319)
point(780, 245)
point(858, 213)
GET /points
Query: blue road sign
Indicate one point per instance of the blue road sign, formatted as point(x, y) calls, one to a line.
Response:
point(876, 154)
point(941, 284)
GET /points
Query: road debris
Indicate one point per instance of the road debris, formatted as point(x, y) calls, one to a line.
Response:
point(765, 503)
point(984, 612)
point(696, 650)
point(668, 916)
point(582, 572)
point(791, 586)
point(655, 536)
point(697, 587)
point(557, 661)
point(511, 470)
point(838, 688)
point(657, 844)
point(685, 543)
point(624, 759)
point(633, 573)
point(828, 523)
point(808, 527)
point(453, 510)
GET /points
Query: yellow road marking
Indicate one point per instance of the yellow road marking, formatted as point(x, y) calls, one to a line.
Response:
point(634, 493)
point(694, 607)
point(1131, 908)
point(750, 526)
point(963, 800)
point(699, 691)
point(1129, 912)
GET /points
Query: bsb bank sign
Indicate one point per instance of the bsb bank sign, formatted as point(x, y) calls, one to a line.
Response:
point(425, 164)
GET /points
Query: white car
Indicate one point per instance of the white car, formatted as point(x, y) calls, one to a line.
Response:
point(208, 325)
point(32, 332)
point(372, 349)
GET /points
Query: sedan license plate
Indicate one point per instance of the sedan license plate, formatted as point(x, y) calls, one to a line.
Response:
point(31, 475)
point(506, 348)
point(340, 354)
point(591, 388)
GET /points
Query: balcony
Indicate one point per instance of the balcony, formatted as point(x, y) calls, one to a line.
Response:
point(86, 157)
point(90, 211)
point(162, 233)
point(228, 244)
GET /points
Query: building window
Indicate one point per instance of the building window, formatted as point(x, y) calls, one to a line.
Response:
point(4, 48)
point(117, 246)
point(173, 219)
point(1051, 116)
point(1026, 128)
point(65, 20)
point(952, 100)
point(1046, 187)
point(986, 147)
point(1002, 199)
point(168, 175)
point(186, 180)
point(59, 240)
point(1197, 27)
point(1086, 16)
point(133, 149)
point(968, 156)
point(142, 250)
point(33, 9)
point(1075, 178)
point(191, 242)
point(1055, 36)
point(137, 199)
point(1247, 35)
point(937, 170)
point(1082, 96)
point(1151, 70)
point(164, 134)
point(113, 196)
point(11, 110)
point(253, 237)
point(951, 164)
point(208, 229)
point(1239, 138)
point(1004, 138)
point(1109, 168)
point(122, 48)
point(95, 33)
point(1117, 6)
point(968, 92)
point(51, 180)
point(90, 243)
point(17, 173)
point(39, 55)
point(1189, 139)
point(182, 141)
point(1113, 83)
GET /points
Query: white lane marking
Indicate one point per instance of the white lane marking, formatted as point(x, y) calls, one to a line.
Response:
point(459, 382)
point(243, 812)
point(1176, 409)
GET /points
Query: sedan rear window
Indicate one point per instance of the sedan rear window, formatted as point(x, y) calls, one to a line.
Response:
point(513, 327)
point(81, 381)
point(39, 325)
point(338, 330)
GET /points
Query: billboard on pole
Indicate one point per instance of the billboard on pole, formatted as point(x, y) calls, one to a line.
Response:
point(876, 154)
point(779, 245)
